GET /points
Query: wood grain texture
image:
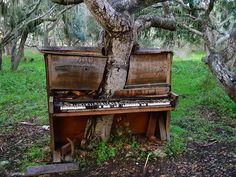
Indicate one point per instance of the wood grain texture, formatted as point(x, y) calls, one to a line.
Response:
point(151, 125)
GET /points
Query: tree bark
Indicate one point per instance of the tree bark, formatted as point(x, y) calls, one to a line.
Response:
point(17, 57)
point(8, 49)
point(13, 51)
point(223, 74)
point(46, 39)
point(121, 42)
point(215, 60)
point(1, 57)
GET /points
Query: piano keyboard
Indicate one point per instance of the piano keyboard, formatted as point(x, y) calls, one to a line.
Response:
point(66, 106)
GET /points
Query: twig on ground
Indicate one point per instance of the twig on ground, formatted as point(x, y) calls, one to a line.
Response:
point(145, 165)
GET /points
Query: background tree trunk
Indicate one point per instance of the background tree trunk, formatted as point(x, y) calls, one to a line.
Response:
point(46, 39)
point(13, 51)
point(17, 57)
point(1, 57)
point(227, 78)
point(8, 49)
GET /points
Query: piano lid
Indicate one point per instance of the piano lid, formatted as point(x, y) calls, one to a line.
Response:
point(98, 50)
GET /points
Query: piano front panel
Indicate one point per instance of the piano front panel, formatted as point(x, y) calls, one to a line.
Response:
point(85, 72)
point(132, 122)
point(75, 72)
point(150, 68)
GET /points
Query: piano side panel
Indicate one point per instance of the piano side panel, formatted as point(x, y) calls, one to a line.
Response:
point(149, 68)
point(75, 72)
point(68, 127)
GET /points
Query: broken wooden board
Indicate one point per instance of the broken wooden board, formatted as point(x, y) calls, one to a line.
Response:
point(51, 168)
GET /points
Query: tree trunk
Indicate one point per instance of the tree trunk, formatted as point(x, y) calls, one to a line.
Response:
point(46, 39)
point(8, 49)
point(20, 53)
point(223, 74)
point(1, 57)
point(119, 27)
point(13, 51)
point(114, 78)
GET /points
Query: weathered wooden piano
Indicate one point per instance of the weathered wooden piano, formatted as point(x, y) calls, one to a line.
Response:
point(73, 77)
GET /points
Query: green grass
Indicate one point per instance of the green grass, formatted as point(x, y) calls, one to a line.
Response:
point(23, 93)
point(103, 151)
point(200, 96)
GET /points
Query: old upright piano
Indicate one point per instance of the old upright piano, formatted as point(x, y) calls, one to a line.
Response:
point(73, 77)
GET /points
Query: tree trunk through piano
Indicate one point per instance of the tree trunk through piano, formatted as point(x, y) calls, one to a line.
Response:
point(118, 49)
point(121, 33)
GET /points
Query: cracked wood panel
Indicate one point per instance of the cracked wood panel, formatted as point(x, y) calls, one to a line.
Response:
point(81, 71)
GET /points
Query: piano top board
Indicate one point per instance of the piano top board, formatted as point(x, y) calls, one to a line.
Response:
point(82, 68)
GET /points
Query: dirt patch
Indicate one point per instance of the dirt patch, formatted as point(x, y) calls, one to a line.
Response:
point(15, 140)
point(202, 158)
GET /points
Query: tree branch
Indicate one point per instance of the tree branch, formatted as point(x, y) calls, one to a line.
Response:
point(180, 2)
point(67, 2)
point(18, 29)
point(222, 39)
point(208, 35)
point(184, 26)
point(33, 8)
point(132, 5)
point(210, 7)
point(147, 21)
point(108, 17)
point(167, 22)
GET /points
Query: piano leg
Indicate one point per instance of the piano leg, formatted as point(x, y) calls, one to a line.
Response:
point(158, 125)
point(151, 125)
point(162, 126)
point(168, 125)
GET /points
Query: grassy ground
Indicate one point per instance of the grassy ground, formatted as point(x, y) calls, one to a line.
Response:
point(204, 110)
point(23, 93)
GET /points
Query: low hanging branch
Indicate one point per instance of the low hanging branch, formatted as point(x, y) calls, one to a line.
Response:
point(147, 21)
point(167, 22)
